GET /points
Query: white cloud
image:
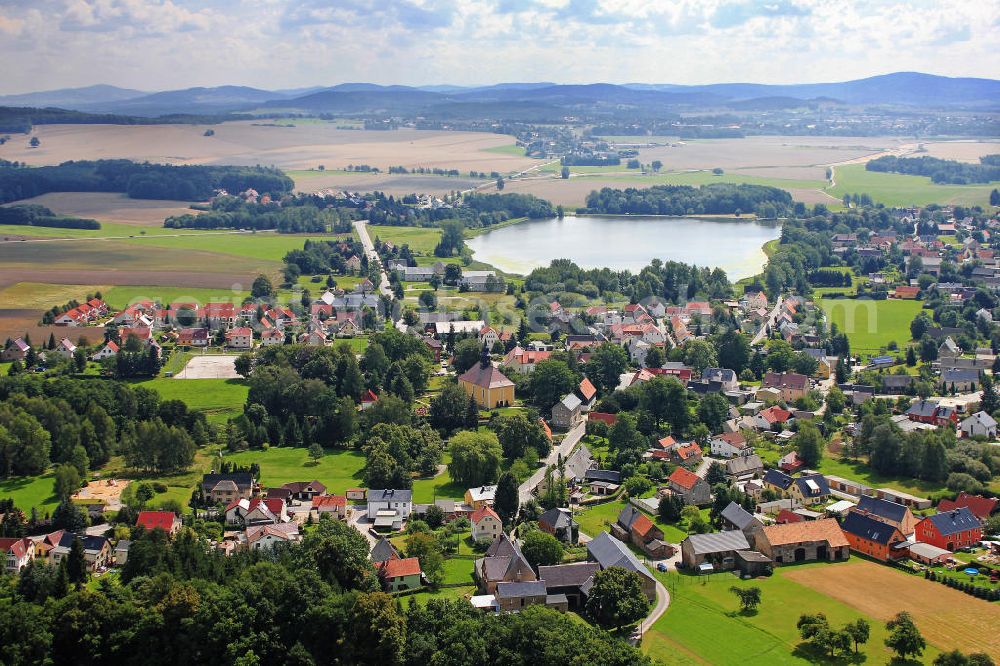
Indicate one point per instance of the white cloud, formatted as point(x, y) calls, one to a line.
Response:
point(163, 44)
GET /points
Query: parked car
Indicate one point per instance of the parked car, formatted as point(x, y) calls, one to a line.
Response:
point(662, 566)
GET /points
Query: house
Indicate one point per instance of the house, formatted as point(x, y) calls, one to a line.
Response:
point(791, 385)
point(400, 574)
point(607, 551)
point(512, 597)
point(334, 506)
point(193, 337)
point(724, 376)
point(480, 497)
point(717, 549)
point(568, 580)
point(388, 508)
point(810, 489)
point(65, 349)
point(603, 481)
point(368, 400)
point(949, 349)
point(96, 549)
point(636, 527)
point(960, 379)
point(735, 517)
point(771, 418)
point(790, 462)
point(224, 488)
point(905, 291)
point(981, 507)
point(240, 337)
point(503, 562)
point(305, 490)
point(891, 513)
point(730, 445)
point(805, 541)
point(488, 337)
point(353, 263)
point(979, 424)
point(109, 350)
point(266, 537)
point(744, 467)
point(925, 411)
point(588, 394)
point(17, 552)
point(778, 481)
point(559, 523)
point(487, 385)
point(568, 412)
point(383, 551)
point(524, 360)
point(163, 520)
point(951, 530)
point(486, 524)
point(121, 551)
point(873, 538)
point(690, 487)
point(16, 351)
point(256, 511)
point(272, 337)
point(689, 455)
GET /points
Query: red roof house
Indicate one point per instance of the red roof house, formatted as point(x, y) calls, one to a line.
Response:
point(981, 507)
point(164, 520)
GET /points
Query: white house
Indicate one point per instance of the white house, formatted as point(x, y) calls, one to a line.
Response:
point(66, 349)
point(979, 423)
point(272, 337)
point(266, 537)
point(730, 445)
point(486, 524)
point(107, 351)
point(489, 336)
point(240, 337)
point(400, 501)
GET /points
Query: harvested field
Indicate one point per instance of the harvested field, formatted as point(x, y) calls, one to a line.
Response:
point(91, 276)
point(214, 366)
point(311, 181)
point(111, 207)
point(965, 151)
point(304, 146)
point(18, 322)
point(41, 296)
point(947, 618)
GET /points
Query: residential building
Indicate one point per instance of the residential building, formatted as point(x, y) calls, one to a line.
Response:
point(608, 551)
point(256, 511)
point(778, 481)
point(387, 509)
point(891, 513)
point(486, 524)
point(730, 445)
point(266, 537)
point(742, 468)
point(925, 411)
point(524, 360)
point(716, 549)
point(108, 350)
point(401, 574)
point(771, 418)
point(810, 489)
point(96, 549)
point(873, 538)
point(569, 580)
point(602, 481)
point(224, 488)
point(305, 490)
point(559, 523)
point(65, 349)
point(979, 424)
point(568, 412)
point(481, 496)
point(502, 563)
point(805, 541)
point(791, 385)
point(17, 552)
point(383, 551)
point(790, 462)
point(636, 527)
point(690, 487)
point(951, 530)
point(16, 351)
point(981, 507)
point(735, 517)
point(193, 337)
point(163, 520)
point(334, 506)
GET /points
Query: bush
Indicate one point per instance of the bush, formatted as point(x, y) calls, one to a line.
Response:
point(159, 487)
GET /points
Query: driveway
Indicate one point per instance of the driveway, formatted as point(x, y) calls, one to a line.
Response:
point(359, 521)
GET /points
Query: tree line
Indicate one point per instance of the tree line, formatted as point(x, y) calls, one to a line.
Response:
point(940, 171)
point(34, 215)
point(712, 199)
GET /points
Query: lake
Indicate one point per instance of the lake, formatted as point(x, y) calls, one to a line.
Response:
point(628, 243)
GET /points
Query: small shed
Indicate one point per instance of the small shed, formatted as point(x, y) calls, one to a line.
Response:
point(928, 553)
point(752, 564)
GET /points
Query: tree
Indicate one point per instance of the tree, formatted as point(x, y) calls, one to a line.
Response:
point(809, 444)
point(990, 400)
point(655, 358)
point(518, 434)
point(377, 630)
point(315, 452)
point(656, 164)
point(144, 493)
point(466, 354)
point(34, 143)
point(733, 351)
point(713, 410)
point(76, 564)
point(67, 481)
point(261, 288)
point(716, 474)
point(904, 637)
point(859, 631)
point(549, 382)
point(428, 300)
point(541, 549)
point(447, 411)
point(475, 458)
point(749, 598)
point(956, 658)
point(605, 367)
point(68, 516)
point(616, 598)
point(700, 354)
point(670, 507)
point(507, 501)
point(500, 183)
point(425, 548)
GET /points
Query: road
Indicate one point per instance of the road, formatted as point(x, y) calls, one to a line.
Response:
point(659, 608)
point(366, 240)
point(762, 333)
point(565, 447)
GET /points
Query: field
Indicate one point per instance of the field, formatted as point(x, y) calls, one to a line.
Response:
point(870, 325)
point(419, 239)
point(703, 624)
point(33, 491)
point(395, 184)
point(118, 297)
point(894, 189)
point(111, 207)
point(948, 619)
point(263, 247)
point(304, 146)
point(219, 399)
point(337, 470)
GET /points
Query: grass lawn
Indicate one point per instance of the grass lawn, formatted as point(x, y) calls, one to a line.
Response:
point(512, 149)
point(42, 296)
point(29, 491)
point(871, 325)
point(450, 593)
point(220, 399)
point(703, 624)
point(357, 345)
point(338, 470)
point(894, 189)
point(859, 471)
point(458, 570)
point(706, 177)
point(107, 230)
point(425, 491)
point(420, 239)
point(597, 519)
point(120, 296)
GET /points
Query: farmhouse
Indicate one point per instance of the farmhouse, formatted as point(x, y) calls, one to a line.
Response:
point(951, 530)
point(735, 517)
point(743, 468)
point(568, 580)
point(891, 513)
point(502, 563)
point(634, 526)
point(608, 551)
point(690, 487)
point(513, 596)
point(717, 549)
point(804, 542)
point(873, 538)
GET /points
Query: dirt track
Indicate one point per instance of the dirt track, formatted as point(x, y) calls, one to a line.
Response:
point(947, 618)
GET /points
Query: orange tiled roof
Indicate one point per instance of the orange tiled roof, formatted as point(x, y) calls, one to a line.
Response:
point(826, 529)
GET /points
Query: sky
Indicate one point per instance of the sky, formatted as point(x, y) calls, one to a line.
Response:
point(280, 44)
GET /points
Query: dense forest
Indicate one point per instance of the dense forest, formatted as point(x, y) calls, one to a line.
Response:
point(39, 216)
point(940, 171)
point(139, 181)
point(292, 215)
point(713, 199)
point(22, 119)
point(477, 210)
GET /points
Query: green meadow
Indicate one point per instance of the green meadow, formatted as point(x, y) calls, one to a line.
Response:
point(871, 325)
point(338, 470)
point(893, 189)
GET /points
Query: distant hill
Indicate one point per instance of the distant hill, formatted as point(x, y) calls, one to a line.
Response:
point(71, 98)
point(190, 100)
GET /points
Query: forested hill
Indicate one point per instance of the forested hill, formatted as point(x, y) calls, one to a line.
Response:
point(713, 199)
point(139, 181)
point(22, 119)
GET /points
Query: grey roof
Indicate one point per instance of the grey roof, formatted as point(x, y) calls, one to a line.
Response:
point(922, 408)
point(954, 521)
point(579, 462)
point(555, 599)
point(778, 478)
point(868, 528)
point(743, 464)
point(960, 375)
point(241, 479)
point(928, 550)
point(752, 556)
point(983, 418)
point(818, 488)
point(627, 516)
point(882, 508)
point(610, 552)
point(897, 381)
point(383, 551)
point(724, 375)
point(609, 475)
point(737, 516)
point(389, 495)
point(571, 402)
point(567, 575)
point(557, 518)
point(718, 542)
point(516, 589)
